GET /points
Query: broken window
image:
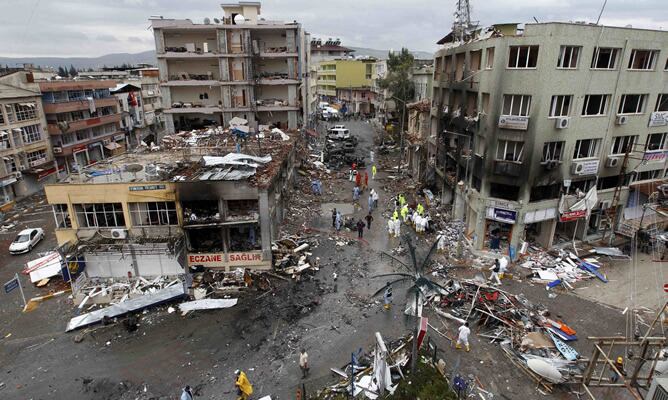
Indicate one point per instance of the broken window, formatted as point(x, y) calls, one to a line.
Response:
point(516, 104)
point(200, 212)
point(560, 106)
point(523, 57)
point(643, 59)
point(620, 144)
point(206, 240)
point(509, 150)
point(595, 104)
point(552, 151)
point(153, 213)
point(656, 141)
point(583, 185)
point(631, 104)
point(607, 182)
point(242, 209)
point(661, 102)
point(31, 134)
point(36, 157)
point(2, 117)
point(99, 215)
point(489, 58)
point(568, 57)
point(648, 175)
point(244, 238)
point(485, 103)
point(547, 192)
point(25, 111)
point(62, 215)
point(604, 58)
point(475, 60)
point(586, 148)
point(501, 191)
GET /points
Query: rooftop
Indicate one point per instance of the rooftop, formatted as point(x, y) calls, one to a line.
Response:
point(12, 92)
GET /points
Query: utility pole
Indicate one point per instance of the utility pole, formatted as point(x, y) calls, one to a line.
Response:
point(401, 140)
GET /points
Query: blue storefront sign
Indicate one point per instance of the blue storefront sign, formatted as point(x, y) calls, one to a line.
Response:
point(11, 285)
point(506, 216)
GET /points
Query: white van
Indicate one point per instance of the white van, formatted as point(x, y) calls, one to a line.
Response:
point(339, 133)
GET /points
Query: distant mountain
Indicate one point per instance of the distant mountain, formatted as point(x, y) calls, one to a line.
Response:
point(109, 60)
point(382, 54)
point(147, 57)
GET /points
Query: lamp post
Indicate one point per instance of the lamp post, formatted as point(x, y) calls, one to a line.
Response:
point(401, 147)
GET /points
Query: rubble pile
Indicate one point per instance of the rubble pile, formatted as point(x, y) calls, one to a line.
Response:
point(118, 290)
point(292, 258)
point(558, 267)
point(212, 283)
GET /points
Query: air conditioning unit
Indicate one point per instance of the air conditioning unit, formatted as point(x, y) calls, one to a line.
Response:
point(119, 233)
point(612, 162)
point(605, 204)
point(562, 122)
point(622, 119)
point(577, 168)
point(57, 150)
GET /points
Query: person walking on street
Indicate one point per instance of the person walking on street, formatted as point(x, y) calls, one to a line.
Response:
point(339, 221)
point(368, 218)
point(366, 179)
point(358, 179)
point(373, 171)
point(370, 201)
point(397, 227)
point(420, 209)
point(187, 393)
point(356, 194)
point(375, 199)
point(334, 218)
point(495, 272)
point(360, 229)
point(402, 200)
point(387, 296)
point(463, 337)
point(404, 212)
point(244, 387)
point(395, 214)
point(303, 363)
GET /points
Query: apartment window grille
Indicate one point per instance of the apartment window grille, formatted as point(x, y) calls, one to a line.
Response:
point(661, 102)
point(560, 105)
point(509, 150)
point(586, 148)
point(31, 134)
point(604, 58)
point(25, 111)
point(60, 97)
point(63, 117)
point(5, 143)
point(552, 151)
point(75, 95)
point(82, 135)
point(631, 104)
point(153, 213)
point(67, 138)
point(10, 113)
point(568, 57)
point(516, 104)
point(621, 143)
point(656, 142)
point(62, 216)
point(523, 57)
point(595, 105)
point(36, 157)
point(104, 215)
point(643, 60)
point(2, 117)
point(648, 175)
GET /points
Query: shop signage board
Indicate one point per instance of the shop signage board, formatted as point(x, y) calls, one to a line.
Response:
point(658, 118)
point(501, 215)
point(540, 215)
point(514, 122)
point(572, 215)
point(626, 230)
point(78, 148)
point(146, 187)
point(207, 260)
point(654, 157)
point(588, 167)
point(217, 260)
point(248, 258)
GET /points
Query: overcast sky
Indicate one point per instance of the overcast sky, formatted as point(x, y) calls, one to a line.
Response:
point(97, 27)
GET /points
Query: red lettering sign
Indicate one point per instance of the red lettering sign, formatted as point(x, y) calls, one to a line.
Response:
point(78, 148)
point(572, 215)
point(205, 258)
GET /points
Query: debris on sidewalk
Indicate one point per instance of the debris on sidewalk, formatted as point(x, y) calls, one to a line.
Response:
point(291, 256)
point(206, 304)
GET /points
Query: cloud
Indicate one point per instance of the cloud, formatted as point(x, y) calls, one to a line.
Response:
point(97, 27)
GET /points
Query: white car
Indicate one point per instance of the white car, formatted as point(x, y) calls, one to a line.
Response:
point(26, 240)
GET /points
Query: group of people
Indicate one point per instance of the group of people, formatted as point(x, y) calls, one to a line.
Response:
point(417, 217)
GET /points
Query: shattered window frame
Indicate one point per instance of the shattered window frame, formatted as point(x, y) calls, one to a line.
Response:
point(100, 215)
point(61, 214)
point(153, 213)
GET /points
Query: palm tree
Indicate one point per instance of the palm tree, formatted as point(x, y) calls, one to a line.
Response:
point(420, 282)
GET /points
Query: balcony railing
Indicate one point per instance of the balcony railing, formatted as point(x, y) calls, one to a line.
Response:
point(508, 168)
point(66, 127)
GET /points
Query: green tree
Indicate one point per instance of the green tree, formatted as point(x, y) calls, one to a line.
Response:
point(73, 71)
point(397, 81)
point(62, 72)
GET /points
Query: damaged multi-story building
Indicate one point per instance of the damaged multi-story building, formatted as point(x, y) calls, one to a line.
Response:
point(525, 118)
point(240, 65)
point(196, 203)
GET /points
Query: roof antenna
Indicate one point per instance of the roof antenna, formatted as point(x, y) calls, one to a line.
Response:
point(535, 19)
point(601, 13)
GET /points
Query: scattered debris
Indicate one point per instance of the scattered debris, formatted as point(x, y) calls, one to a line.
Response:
point(206, 304)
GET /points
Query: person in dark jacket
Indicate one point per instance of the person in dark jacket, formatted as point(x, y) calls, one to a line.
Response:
point(360, 229)
point(368, 218)
point(334, 218)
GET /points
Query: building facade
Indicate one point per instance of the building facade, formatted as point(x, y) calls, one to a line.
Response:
point(349, 80)
point(24, 142)
point(527, 118)
point(83, 122)
point(243, 66)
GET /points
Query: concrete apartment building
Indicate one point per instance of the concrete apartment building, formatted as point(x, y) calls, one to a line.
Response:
point(27, 161)
point(547, 111)
point(241, 66)
point(83, 122)
point(348, 80)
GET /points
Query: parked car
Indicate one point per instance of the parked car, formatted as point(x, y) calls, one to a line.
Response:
point(26, 240)
point(338, 134)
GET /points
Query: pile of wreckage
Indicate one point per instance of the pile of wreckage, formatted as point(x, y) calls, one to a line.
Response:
point(292, 258)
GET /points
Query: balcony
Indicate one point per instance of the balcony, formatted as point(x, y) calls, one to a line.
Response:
point(173, 55)
point(187, 108)
point(514, 122)
point(54, 108)
point(55, 129)
point(507, 168)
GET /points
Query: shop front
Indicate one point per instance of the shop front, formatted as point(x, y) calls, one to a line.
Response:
point(499, 225)
point(539, 226)
point(229, 261)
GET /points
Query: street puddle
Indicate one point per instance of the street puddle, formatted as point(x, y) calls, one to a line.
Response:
point(343, 208)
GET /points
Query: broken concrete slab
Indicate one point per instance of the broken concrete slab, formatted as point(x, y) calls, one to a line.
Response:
point(206, 304)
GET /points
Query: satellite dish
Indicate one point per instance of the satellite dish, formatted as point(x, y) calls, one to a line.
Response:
point(207, 21)
point(134, 167)
point(216, 20)
point(239, 19)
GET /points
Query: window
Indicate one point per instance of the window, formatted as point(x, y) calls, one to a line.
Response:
point(661, 102)
point(25, 111)
point(244, 238)
point(62, 216)
point(595, 104)
point(368, 71)
point(568, 57)
point(647, 175)
point(83, 135)
point(516, 104)
point(586, 148)
point(10, 163)
point(2, 117)
point(620, 144)
point(643, 59)
point(523, 57)
point(31, 134)
point(153, 213)
point(10, 113)
point(509, 150)
point(75, 95)
point(656, 142)
point(604, 58)
point(36, 157)
point(501, 191)
point(485, 103)
point(560, 106)
point(78, 115)
point(99, 215)
point(67, 138)
point(489, 58)
point(5, 143)
point(631, 104)
point(552, 151)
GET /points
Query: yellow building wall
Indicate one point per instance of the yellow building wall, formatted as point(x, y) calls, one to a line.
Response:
point(353, 73)
point(73, 193)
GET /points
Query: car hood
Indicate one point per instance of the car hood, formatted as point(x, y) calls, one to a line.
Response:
point(18, 246)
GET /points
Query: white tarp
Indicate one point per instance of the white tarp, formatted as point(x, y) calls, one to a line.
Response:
point(44, 267)
point(235, 159)
point(284, 137)
point(236, 121)
point(206, 304)
point(586, 203)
